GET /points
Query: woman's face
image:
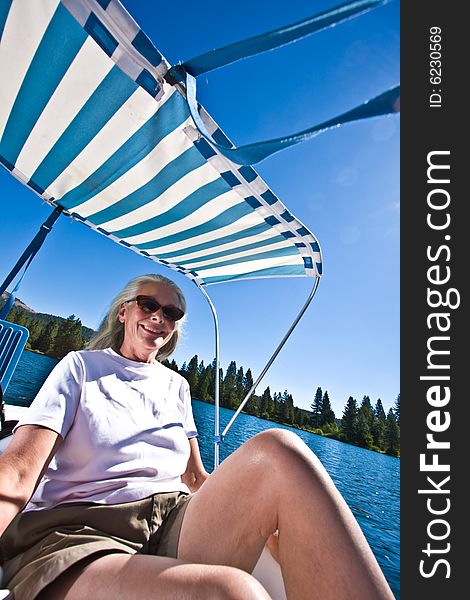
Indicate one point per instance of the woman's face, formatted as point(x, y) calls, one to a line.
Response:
point(145, 333)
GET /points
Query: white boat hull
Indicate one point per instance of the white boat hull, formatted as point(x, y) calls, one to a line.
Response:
point(268, 572)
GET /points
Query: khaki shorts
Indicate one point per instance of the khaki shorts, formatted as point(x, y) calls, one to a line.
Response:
point(38, 546)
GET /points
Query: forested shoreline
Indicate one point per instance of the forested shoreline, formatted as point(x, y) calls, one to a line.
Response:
point(51, 335)
point(362, 424)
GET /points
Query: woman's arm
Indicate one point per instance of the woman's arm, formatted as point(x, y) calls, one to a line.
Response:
point(195, 473)
point(22, 466)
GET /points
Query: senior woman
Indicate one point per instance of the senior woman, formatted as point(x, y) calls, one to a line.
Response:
point(116, 502)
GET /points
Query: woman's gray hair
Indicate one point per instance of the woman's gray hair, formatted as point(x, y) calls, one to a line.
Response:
point(111, 331)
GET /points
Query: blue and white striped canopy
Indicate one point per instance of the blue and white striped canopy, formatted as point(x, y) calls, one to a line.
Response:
point(88, 122)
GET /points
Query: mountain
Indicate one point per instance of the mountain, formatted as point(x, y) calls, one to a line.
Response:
point(45, 318)
point(18, 303)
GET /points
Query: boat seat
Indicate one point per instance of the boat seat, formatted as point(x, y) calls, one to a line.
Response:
point(13, 339)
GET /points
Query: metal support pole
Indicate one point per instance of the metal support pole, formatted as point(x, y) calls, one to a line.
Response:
point(271, 360)
point(217, 437)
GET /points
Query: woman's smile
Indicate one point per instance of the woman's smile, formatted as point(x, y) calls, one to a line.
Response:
point(145, 334)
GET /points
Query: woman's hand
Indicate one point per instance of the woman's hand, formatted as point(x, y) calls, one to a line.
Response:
point(194, 480)
point(195, 473)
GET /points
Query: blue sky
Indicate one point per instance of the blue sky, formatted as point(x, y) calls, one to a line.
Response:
point(344, 185)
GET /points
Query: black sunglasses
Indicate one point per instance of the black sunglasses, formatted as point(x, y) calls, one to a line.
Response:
point(150, 305)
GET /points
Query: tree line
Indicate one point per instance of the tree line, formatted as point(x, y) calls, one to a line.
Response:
point(54, 336)
point(362, 425)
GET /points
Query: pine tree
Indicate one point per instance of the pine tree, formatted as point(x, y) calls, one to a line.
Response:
point(266, 404)
point(69, 337)
point(239, 379)
point(378, 429)
point(229, 388)
point(45, 341)
point(276, 413)
point(192, 373)
point(368, 411)
point(173, 365)
point(252, 406)
point(286, 408)
point(363, 435)
point(327, 414)
point(211, 371)
point(281, 408)
point(299, 417)
point(210, 376)
point(232, 370)
point(316, 407)
point(35, 329)
point(379, 411)
point(365, 423)
point(396, 410)
point(247, 382)
point(349, 421)
point(221, 386)
point(392, 435)
point(204, 389)
point(289, 404)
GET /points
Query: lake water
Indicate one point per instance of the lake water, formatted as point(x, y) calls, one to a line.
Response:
point(369, 482)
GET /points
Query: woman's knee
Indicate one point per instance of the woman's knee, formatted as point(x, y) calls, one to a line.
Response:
point(230, 583)
point(277, 436)
point(286, 450)
point(281, 442)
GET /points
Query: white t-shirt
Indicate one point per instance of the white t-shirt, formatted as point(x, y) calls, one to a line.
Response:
point(125, 427)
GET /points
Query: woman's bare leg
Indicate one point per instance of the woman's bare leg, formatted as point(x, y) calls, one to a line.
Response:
point(275, 482)
point(123, 576)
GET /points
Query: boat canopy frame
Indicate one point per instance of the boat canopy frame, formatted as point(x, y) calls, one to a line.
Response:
point(218, 436)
